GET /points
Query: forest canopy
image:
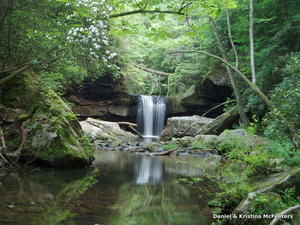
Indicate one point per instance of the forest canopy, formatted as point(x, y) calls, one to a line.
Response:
point(68, 41)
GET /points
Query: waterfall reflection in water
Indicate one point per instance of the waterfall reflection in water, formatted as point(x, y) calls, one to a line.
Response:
point(148, 170)
point(109, 196)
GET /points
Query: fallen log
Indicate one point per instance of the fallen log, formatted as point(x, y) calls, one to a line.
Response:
point(127, 123)
point(279, 215)
point(244, 206)
point(151, 70)
point(219, 124)
point(131, 126)
point(167, 152)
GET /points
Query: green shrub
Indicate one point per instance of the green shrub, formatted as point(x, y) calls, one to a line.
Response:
point(198, 145)
point(286, 97)
point(169, 146)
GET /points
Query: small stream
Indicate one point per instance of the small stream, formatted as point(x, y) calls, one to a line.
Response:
point(120, 189)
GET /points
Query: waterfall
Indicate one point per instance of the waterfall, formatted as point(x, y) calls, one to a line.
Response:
point(151, 115)
point(148, 170)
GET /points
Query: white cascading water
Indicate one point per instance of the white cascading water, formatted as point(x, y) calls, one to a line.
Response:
point(151, 115)
point(148, 170)
point(148, 115)
point(151, 120)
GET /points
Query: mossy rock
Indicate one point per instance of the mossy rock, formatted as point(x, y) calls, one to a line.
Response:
point(54, 135)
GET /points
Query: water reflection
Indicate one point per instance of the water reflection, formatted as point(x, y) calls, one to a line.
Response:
point(167, 203)
point(42, 198)
point(127, 189)
point(148, 170)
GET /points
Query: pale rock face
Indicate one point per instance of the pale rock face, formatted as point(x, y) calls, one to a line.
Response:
point(184, 126)
point(104, 130)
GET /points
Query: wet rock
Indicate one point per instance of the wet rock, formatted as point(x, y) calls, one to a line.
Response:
point(183, 126)
point(109, 132)
point(56, 137)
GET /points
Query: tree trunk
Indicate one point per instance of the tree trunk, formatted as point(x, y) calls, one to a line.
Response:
point(231, 40)
point(236, 90)
point(285, 212)
point(13, 74)
point(219, 124)
point(252, 61)
point(5, 9)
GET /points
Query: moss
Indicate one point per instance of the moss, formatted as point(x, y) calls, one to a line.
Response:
point(198, 145)
point(54, 133)
point(183, 142)
point(169, 146)
point(68, 144)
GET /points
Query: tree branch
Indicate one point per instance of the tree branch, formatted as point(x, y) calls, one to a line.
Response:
point(151, 70)
point(143, 9)
point(278, 216)
point(179, 12)
point(184, 5)
point(28, 65)
point(15, 68)
point(7, 78)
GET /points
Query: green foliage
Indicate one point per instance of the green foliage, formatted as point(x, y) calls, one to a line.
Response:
point(254, 126)
point(169, 146)
point(229, 105)
point(272, 203)
point(198, 145)
point(55, 36)
point(231, 191)
point(183, 142)
point(286, 96)
point(190, 181)
point(250, 151)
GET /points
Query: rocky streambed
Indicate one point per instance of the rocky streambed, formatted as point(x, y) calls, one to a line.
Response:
point(109, 136)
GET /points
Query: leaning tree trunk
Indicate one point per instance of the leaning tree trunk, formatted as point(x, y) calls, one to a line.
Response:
point(219, 124)
point(236, 90)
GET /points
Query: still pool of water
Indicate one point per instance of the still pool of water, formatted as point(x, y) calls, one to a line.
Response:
point(120, 189)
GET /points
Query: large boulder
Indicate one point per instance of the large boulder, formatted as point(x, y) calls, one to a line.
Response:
point(40, 126)
point(56, 137)
point(106, 131)
point(183, 126)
